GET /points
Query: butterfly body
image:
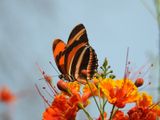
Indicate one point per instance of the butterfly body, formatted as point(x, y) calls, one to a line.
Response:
point(76, 60)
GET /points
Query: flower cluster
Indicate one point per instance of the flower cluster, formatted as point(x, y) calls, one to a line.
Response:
point(71, 97)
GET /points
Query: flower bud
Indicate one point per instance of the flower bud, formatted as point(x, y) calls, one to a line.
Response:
point(139, 82)
point(62, 86)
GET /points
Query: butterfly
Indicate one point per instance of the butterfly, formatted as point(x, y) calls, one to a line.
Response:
point(76, 60)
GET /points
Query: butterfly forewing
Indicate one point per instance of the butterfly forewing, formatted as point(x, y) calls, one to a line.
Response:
point(78, 34)
point(77, 39)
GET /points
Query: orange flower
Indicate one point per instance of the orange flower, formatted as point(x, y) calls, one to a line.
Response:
point(145, 109)
point(67, 103)
point(74, 87)
point(156, 109)
point(141, 114)
point(96, 81)
point(68, 88)
point(6, 95)
point(62, 108)
point(119, 92)
point(119, 115)
point(144, 100)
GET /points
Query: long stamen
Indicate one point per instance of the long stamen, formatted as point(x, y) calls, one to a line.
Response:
point(44, 88)
point(126, 65)
point(52, 88)
point(45, 100)
point(147, 70)
point(149, 83)
point(47, 80)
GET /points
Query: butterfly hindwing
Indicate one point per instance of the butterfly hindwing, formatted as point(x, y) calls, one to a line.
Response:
point(84, 63)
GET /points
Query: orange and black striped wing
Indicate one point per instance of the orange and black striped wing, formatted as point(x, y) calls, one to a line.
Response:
point(79, 56)
point(78, 34)
point(58, 53)
point(77, 39)
point(84, 63)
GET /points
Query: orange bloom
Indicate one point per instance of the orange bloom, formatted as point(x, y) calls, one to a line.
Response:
point(65, 107)
point(96, 81)
point(67, 103)
point(141, 114)
point(119, 92)
point(144, 100)
point(69, 87)
point(62, 108)
point(74, 87)
point(145, 109)
point(119, 115)
point(6, 95)
point(156, 109)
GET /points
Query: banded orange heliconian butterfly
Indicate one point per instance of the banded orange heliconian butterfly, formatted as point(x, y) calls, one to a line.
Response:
point(76, 60)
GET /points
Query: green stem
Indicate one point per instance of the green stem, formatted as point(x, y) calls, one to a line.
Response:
point(104, 104)
point(95, 101)
point(112, 112)
point(159, 54)
point(89, 117)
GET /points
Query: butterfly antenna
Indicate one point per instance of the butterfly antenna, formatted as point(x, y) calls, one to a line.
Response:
point(54, 67)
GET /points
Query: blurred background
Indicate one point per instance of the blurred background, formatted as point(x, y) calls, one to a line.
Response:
point(28, 28)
